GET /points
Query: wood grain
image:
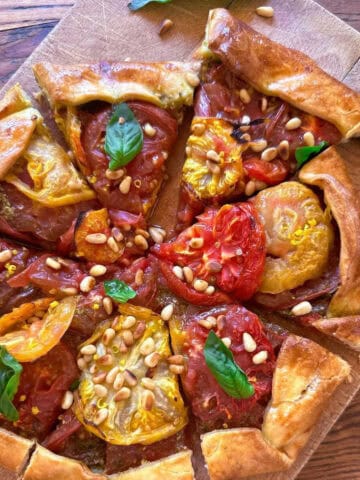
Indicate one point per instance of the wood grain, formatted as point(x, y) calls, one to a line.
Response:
point(23, 25)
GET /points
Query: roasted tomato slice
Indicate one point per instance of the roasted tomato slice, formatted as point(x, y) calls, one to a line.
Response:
point(299, 236)
point(213, 167)
point(127, 355)
point(270, 173)
point(33, 340)
point(226, 248)
point(209, 402)
point(42, 388)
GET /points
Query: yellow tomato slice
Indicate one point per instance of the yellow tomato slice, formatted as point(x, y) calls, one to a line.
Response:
point(128, 421)
point(34, 340)
point(299, 236)
point(221, 174)
point(22, 313)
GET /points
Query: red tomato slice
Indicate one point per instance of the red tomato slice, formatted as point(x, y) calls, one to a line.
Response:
point(230, 252)
point(269, 172)
point(42, 387)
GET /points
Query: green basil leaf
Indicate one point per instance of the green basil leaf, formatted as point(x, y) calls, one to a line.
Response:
point(124, 139)
point(118, 290)
point(10, 371)
point(74, 385)
point(304, 154)
point(137, 4)
point(227, 373)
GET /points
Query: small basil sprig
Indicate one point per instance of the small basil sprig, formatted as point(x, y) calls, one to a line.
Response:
point(118, 290)
point(123, 138)
point(10, 371)
point(137, 4)
point(227, 373)
point(304, 154)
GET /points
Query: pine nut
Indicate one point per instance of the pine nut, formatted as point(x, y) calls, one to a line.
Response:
point(264, 104)
point(97, 270)
point(260, 357)
point(105, 360)
point(266, 11)
point(178, 271)
point(139, 330)
point(226, 341)
point(119, 381)
point(165, 26)
point(192, 79)
point(99, 378)
point(128, 337)
point(157, 234)
point(188, 151)
point(5, 256)
point(176, 360)
point(211, 320)
point(114, 174)
point(213, 155)
point(196, 242)
point(81, 363)
point(147, 400)
point(110, 377)
point(129, 322)
point(258, 145)
point(117, 234)
point(249, 342)
point(87, 284)
point(200, 285)
point(67, 400)
point(152, 359)
point(166, 312)
point(100, 416)
point(198, 129)
point(108, 305)
point(112, 244)
point(259, 185)
point(177, 369)
point(69, 291)
point(123, 394)
point(284, 149)
point(141, 242)
point(139, 277)
point(213, 167)
point(88, 349)
point(108, 335)
point(96, 238)
point(293, 123)
point(309, 139)
point(149, 130)
point(205, 323)
point(269, 154)
point(100, 390)
point(250, 188)
point(245, 137)
point(130, 378)
point(52, 263)
point(147, 347)
point(125, 185)
point(302, 308)
point(244, 96)
point(210, 290)
point(188, 274)
point(146, 382)
point(88, 358)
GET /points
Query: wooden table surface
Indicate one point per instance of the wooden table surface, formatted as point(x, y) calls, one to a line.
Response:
point(23, 24)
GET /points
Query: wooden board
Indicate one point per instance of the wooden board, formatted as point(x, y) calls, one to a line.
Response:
point(105, 30)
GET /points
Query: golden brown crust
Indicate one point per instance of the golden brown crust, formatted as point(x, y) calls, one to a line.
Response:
point(274, 69)
point(240, 452)
point(168, 85)
point(329, 172)
point(14, 451)
point(344, 329)
point(174, 467)
point(305, 376)
point(45, 465)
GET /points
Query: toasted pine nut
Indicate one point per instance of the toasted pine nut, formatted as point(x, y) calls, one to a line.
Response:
point(96, 238)
point(188, 274)
point(112, 244)
point(211, 320)
point(105, 360)
point(210, 290)
point(129, 322)
point(301, 308)
point(166, 312)
point(117, 234)
point(88, 349)
point(110, 377)
point(100, 390)
point(100, 416)
point(157, 234)
point(125, 185)
point(264, 104)
point(139, 277)
point(69, 291)
point(152, 359)
point(177, 369)
point(147, 400)
point(81, 363)
point(128, 337)
point(108, 305)
point(114, 174)
point(260, 357)
point(108, 335)
point(165, 26)
point(226, 341)
point(176, 360)
point(244, 96)
point(205, 323)
point(265, 11)
point(5, 255)
point(148, 346)
point(250, 188)
point(258, 145)
point(148, 383)
point(284, 149)
point(87, 284)
point(196, 242)
point(99, 377)
point(130, 378)
point(67, 400)
point(213, 167)
point(141, 242)
point(269, 154)
point(52, 263)
point(249, 342)
point(123, 394)
point(97, 270)
point(293, 123)
point(309, 139)
point(119, 381)
point(200, 285)
point(198, 129)
point(178, 271)
point(213, 155)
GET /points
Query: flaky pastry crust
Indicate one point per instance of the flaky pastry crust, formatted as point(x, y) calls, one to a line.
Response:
point(344, 329)
point(305, 376)
point(276, 70)
point(167, 85)
point(14, 451)
point(330, 172)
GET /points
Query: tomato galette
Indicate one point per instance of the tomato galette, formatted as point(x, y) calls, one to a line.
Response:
point(130, 352)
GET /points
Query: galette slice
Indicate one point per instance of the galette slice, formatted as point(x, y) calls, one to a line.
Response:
point(121, 122)
point(41, 192)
